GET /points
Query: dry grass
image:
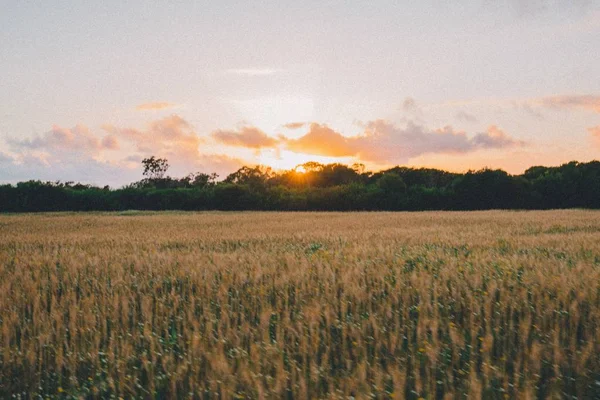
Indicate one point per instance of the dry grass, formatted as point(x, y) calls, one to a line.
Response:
point(299, 305)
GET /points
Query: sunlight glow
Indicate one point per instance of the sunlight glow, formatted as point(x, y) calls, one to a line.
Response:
point(287, 160)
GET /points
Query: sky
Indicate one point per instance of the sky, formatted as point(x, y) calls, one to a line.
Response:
point(89, 89)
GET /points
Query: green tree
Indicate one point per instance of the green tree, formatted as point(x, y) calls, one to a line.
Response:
point(391, 182)
point(155, 168)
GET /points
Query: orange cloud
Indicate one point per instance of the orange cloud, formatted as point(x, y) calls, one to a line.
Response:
point(588, 102)
point(323, 141)
point(154, 106)
point(383, 142)
point(249, 137)
point(380, 142)
point(294, 125)
point(174, 138)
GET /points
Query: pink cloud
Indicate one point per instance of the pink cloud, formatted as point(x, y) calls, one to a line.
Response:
point(110, 142)
point(167, 137)
point(78, 138)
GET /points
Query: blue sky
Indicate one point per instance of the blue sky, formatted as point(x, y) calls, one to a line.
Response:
point(87, 89)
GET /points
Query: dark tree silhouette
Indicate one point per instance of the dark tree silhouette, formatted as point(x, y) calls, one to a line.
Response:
point(155, 168)
point(318, 186)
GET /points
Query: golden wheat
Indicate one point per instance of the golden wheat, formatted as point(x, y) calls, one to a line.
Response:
point(300, 305)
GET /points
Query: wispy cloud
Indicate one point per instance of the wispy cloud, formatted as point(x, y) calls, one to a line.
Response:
point(294, 125)
point(153, 106)
point(253, 71)
point(530, 109)
point(587, 102)
point(465, 116)
point(532, 106)
point(410, 105)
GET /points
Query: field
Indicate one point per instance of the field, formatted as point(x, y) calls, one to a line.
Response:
point(301, 305)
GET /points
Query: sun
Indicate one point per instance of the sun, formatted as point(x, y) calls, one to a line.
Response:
point(300, 169)
point(281, 160)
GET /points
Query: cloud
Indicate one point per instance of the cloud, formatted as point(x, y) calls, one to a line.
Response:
point(383, 142)
point(529, 109)
point(587, 102)
point(78, 138)
point(465, 117)
point(253, 71)
point(56, 164)
point(380, 142)
point(409, 104)
point(61, 152)
point(110, 142)
point(154, 106)
point(79, 155)
point(173, 138)
point(5, 158)
point(323, 141)
point(412, 110)
point(294, 125)
point(68, 154)
point(495, 138)
point(249, 137)
point(167, 137)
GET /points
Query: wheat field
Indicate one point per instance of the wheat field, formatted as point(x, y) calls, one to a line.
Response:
point(431, 305)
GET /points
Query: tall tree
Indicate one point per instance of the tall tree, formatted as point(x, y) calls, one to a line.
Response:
point(155, 168)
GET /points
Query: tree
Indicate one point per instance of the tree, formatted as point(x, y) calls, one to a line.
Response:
point(393, 191)
point(155, 168)
point(200, 179)
point(391, 182)
point(255, 177)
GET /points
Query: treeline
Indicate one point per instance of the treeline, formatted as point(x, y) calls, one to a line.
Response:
point(314, 186)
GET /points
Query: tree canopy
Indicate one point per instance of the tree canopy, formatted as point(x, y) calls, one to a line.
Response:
point(315, 186)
